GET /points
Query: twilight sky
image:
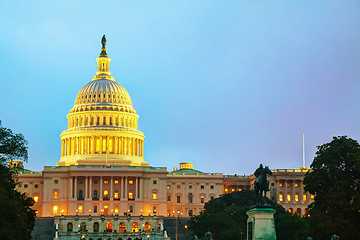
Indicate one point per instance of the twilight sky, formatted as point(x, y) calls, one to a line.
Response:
point(225, 84)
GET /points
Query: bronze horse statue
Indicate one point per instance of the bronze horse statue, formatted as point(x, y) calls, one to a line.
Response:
point(261, 184)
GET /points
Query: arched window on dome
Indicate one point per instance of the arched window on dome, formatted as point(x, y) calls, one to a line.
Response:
point(110, 121)
point(104, 121)
point(98, 121)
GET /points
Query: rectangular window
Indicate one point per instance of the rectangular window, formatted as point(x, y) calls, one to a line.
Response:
point(154, 209)
point(95, 209)
point(168, 186)
point(95, 181)
point(80, 209)
point(116, 195)
point(168, 199)
point(131, 208)
point(312, 197)
point(202, 199)
point(36, 186)
point(226, 190)
point(131, 182)
point(55, 209)
point(25, 186)
point(178, 199)
point(296, 198)
point(36, 199)
point(116, 182)
point(178, 186)
point(288, 184)
point(81, 181)
point(281, 198)
point(212, 187)
point(296, 184)
point(280, 184)
point(131, 195)
point(202, 186)
point(304, 197)
point(106, 181)
point(56, 195)
point(154, 182)
point(232, 190)
point(154, 195)
point(288, 197)
point(190, 212)
point(211, 198)
point(56, 181)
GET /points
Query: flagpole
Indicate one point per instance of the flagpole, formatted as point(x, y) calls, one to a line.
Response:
point(303, 151)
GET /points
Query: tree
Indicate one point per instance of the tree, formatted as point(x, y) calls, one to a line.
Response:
point(334, 179)
point(226, 218)
point(17, 219)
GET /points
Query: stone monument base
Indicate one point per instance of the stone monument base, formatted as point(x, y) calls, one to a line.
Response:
point(260, 224)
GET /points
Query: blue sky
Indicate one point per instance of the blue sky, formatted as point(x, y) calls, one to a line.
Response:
point(225, 84)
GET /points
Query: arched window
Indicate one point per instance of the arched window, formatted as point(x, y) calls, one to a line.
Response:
point(82, 227)
point(69, 227)
point(95, 197)
point(122, 227)
point(96, 227)
point(147, 227)
point(190, 198)
point(81, 197)
point(108, 227)
point(291, 210)
point(298, 211)
point(135, 227)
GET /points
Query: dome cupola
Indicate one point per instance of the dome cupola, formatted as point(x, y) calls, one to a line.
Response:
point(102, 125)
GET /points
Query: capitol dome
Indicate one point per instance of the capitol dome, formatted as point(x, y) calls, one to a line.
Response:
point(102, 125)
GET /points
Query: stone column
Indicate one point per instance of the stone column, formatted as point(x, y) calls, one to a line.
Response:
point(126, 193)
point(301, 200)
point(136, 188)
point(75, 188)
point(62, 148)
point(90, 187)
point(71, 188)
point(141, 188)
point(101, 144)
point(86, 188)
point(101, 189)
point(111, 188)
point(285, 192)
point(122, 188)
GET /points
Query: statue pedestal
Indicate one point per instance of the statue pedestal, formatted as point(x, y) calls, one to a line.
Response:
point(260, 224)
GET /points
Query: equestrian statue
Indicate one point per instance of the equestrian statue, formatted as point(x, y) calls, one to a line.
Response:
point(261, 184)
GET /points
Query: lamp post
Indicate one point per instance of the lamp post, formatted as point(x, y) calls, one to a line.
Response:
point(176, 229)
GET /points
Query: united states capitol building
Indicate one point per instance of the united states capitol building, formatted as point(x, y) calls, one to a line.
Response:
point(102, 183)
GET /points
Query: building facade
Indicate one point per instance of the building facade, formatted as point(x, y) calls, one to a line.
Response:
point(102, 171)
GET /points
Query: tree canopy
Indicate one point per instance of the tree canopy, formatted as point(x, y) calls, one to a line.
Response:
point(226, 218)
point(334, 179)
point(17, 219)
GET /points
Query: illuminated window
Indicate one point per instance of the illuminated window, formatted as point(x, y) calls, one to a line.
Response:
point(106, 182)
point(116, 182)
point(288, 184)
point(106, 194)
point(55, 209)
point(291, 210)
point(135, 227)
point(281, 197)
point(226, 190)
point(108, 227)
point(296, 198)
point(178, 186)
point(202, 199)
point(131, 182)
point(55, 194)
point(233, 190)
point(304, 197)
point(240, 189)
point(154, 195)
point(131, 195)
point(147, 227)
point(80, 209)
point(288, 197)
point(296, 185)
point(116, 210)
point(36, 199)
point(168, 199)
point(168, 186)
point(312, 197)
point(116, 195)
point(154, 209)
point(280, 184)
point(122, 227)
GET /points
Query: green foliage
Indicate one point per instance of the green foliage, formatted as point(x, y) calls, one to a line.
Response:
point(226, 218)
point(334, 179)
point(17, 219)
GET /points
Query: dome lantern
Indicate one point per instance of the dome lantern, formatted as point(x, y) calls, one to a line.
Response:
point(103, 61)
